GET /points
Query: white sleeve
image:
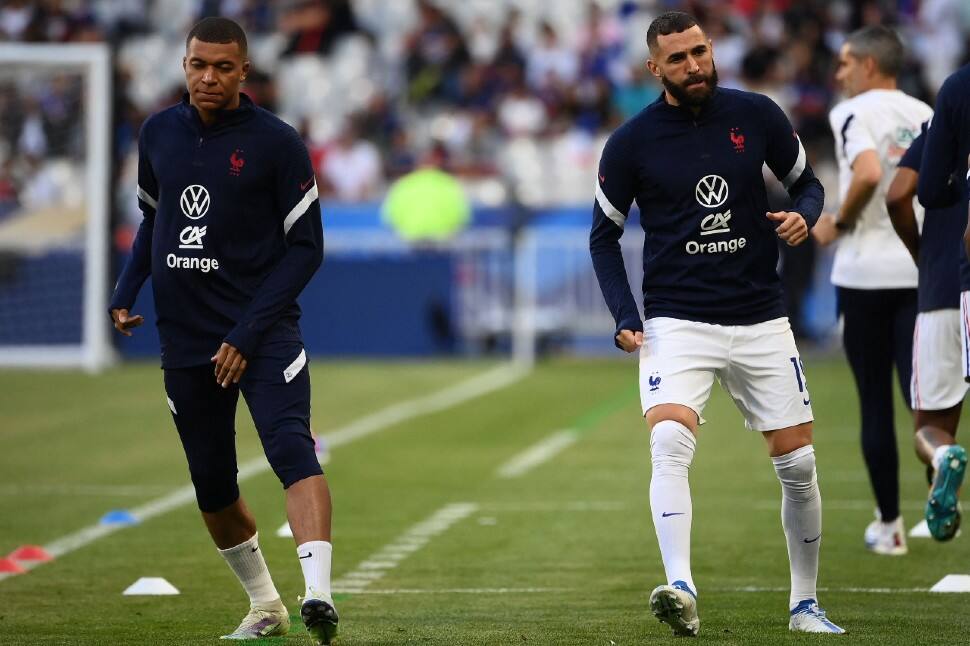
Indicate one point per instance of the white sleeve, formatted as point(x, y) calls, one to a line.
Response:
point(852, 136)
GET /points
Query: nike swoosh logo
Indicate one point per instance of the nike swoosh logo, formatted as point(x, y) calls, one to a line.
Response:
point(255, 548)
point(812, 540)
point(308, 555)
point(806, 401)
point(667, 514)
point(304, 187)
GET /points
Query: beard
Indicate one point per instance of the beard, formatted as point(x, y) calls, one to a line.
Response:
point(694, 97)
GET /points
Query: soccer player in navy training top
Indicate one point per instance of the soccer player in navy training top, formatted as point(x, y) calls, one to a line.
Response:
point(712, 298)
point(231, 235)
point(938, 385)
point(941, 184)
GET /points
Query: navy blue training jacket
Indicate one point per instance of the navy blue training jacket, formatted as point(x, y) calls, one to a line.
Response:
point(940, 246)
point(710, 253)
point(231, 232)
point(944, 164)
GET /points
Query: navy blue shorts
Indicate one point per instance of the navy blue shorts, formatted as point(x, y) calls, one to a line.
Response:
point(276, 387)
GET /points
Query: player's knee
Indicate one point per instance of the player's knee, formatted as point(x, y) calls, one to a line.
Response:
point(671, 447)
point(215, 489)
point(671, 412)
point(796, 472)
point(289, 450)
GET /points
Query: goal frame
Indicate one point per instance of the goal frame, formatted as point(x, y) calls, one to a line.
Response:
point(93, 61)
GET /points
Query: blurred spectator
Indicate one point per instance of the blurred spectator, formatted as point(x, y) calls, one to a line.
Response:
point(634, 95)
point(435, 54)
point(550, 63)
point(350, 167)
point(520, 112)
point(314, 26)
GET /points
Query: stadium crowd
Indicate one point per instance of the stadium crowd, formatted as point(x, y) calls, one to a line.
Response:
point(515, 97)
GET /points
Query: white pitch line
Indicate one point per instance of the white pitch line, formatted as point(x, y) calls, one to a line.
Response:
point(576, 505)
point(854, 590)
point(463, 591)
point(390, 556)
point(538, 453)
point(392, 415)
point(839, 505)
point(64, 490)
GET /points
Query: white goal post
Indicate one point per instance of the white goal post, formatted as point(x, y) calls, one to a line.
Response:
point(79, 233)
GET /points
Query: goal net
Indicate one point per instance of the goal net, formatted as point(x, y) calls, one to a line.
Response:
point(55, 104)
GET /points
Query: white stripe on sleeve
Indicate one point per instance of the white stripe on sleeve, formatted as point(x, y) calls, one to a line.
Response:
point(798, 168)
point(146, 198)
point(299, 209)
point(611, 211)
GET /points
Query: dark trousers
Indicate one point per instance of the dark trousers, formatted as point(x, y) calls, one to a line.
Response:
point(878, 333)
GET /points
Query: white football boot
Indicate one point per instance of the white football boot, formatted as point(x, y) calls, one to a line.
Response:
point(266, 621)
point(807, 617)
point(888, 539)
point(676, 606)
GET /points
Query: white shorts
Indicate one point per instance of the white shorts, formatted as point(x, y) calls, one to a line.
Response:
point(758, 365)
point(938, 369)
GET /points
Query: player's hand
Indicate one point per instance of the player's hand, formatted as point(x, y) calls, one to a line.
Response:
point(230, 365)
point(124, 323)
point(824, 230)
point(791, 228)
point(629, 340)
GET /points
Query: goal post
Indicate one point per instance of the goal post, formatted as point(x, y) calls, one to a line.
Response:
point(59, 223)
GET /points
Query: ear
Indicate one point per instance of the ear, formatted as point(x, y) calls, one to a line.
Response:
point(653, 67)
point(185, 60)
point(245, 69)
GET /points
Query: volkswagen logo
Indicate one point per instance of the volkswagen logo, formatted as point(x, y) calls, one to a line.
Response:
point(711, 191)
point(194, 201)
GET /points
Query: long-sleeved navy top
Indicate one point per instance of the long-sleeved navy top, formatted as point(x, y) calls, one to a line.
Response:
point(710, 252)
point(231, 232)
point(941, 242)
point(944, 164)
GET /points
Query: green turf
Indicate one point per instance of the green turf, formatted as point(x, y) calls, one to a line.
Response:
point(575, 531)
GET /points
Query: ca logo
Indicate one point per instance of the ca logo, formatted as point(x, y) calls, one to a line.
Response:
point(191, 237)
point(194, 201)
point(712, 191)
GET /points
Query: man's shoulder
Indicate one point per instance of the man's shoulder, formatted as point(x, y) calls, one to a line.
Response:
point(844, 108)
point(751, 99)
point(956, 87)
point(163, 119)
point(272, 124)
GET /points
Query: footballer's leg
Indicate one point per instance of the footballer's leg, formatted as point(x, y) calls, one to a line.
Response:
point(277, 389)
point(677, 364)
point(204, 415)
point(938, 389)
point(766, 379)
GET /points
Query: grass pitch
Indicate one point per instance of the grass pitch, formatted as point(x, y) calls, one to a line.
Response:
point(562, 554)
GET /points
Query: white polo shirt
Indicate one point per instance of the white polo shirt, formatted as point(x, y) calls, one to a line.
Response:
point(872, 256)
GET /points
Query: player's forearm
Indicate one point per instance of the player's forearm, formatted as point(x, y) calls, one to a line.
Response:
point(808, 197)
point(137, 268)
point(903, 218)
point(861, 190)
point(275, 295)
point(611, 274)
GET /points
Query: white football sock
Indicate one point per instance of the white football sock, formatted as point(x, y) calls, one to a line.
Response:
point(315, 561)
point(938, 455)
point(672, 450)
point(246, 561)
point(801, 517)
